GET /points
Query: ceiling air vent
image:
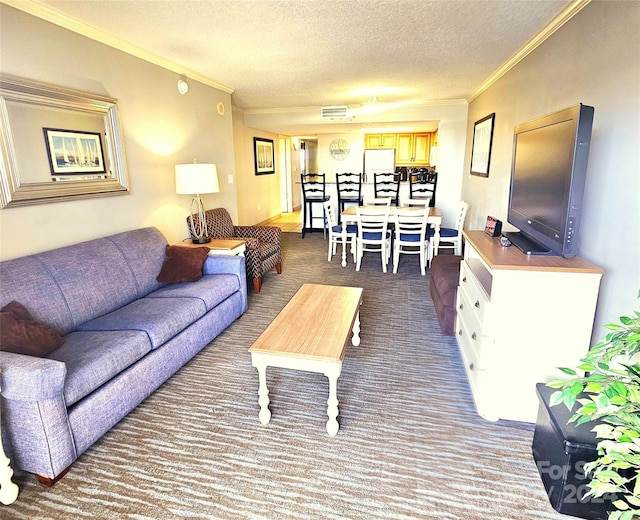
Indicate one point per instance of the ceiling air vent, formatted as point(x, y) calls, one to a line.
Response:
point(339, 112)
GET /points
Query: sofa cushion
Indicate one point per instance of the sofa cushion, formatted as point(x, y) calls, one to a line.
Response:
point(17, 310)
point(182, 264)
point(28, 281)
point(21, 334)
point(143, 249)
point(85, 273)
point(160, 318)
point(211, 289)
point(93, 358)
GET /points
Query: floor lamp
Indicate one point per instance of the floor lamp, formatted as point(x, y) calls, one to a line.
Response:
point(195, 179)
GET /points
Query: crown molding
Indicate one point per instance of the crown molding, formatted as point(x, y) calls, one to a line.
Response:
point(35, 8)
point(569, 12)
point(304, 110)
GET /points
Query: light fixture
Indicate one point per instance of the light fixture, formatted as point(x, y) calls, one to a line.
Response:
point(195, 179)
point(183, 86)
point(372, 107)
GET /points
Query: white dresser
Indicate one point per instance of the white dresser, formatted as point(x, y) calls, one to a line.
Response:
point(518, 318)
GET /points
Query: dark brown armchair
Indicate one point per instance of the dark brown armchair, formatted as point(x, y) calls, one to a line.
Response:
point(263, 251)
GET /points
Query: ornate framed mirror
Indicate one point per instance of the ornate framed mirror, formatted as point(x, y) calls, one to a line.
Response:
point(57, 144)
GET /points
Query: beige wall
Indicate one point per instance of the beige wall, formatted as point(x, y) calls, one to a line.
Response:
point(593, 59)
point(452, 136)
point(353, 163)
point(160, 127)
point(258, 195)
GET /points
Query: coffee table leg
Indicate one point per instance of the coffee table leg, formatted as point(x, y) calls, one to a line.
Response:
point(332, 403)
point(355, 340)
point(263, 392)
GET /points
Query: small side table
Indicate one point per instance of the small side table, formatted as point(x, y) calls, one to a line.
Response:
point(219, 246)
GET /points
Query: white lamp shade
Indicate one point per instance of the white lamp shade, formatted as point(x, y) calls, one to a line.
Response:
point(196, 178)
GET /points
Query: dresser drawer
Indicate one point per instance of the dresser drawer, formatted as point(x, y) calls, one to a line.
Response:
point(470, 312)
point(468, 344)
point(475, 299)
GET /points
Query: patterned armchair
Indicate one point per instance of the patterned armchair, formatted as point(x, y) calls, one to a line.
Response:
point(263, 243)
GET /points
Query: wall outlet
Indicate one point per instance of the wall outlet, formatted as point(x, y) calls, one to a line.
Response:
point(230, 178)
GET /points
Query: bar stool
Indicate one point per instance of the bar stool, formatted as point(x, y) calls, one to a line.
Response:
point(313, 192)
point(387, 185)
point(422, 185)
point(349, 187)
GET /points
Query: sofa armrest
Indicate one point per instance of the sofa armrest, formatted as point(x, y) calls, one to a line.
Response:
point(229, 264)
point(270, 234)
point(28, 378)
point(35, 423)
point(251, 242)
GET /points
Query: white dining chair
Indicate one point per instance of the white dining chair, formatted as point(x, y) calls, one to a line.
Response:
point(373, 234)
point(450, 238)
point(335, 232)
point(416, 202)
point(410, 235)
point(377, 201)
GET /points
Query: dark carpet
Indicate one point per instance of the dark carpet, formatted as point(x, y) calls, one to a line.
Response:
point(410, 444)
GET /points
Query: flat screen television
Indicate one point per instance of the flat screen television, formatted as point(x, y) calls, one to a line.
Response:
point(548, 175)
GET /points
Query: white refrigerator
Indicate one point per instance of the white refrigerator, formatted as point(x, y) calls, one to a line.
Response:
point(378, 160)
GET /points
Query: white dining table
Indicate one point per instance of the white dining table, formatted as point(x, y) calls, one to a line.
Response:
point(349, 216)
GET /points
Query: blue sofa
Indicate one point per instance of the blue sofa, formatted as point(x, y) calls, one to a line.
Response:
point(124, 334)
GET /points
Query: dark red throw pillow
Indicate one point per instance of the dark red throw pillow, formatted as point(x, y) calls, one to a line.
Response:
point(20, 334)
point(182, 264)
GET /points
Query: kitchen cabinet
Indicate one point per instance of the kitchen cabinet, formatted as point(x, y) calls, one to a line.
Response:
point(421, 148)
point(413, 149)
point(404, 148)
point(380, 140)
point(518, 318)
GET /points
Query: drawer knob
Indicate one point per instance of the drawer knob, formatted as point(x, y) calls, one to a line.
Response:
point(461, 306)
point(472, 367)
point(460, 332)
point(477, 304)
point(464, 278)
point(473, 336)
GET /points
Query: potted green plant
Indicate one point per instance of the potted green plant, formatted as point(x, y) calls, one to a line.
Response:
point(610, 391)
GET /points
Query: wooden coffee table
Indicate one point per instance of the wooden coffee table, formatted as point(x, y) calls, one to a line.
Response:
point(310, 334)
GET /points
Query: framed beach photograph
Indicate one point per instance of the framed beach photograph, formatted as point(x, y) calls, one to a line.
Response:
point(482, 142)
point(73, 152)
point(264, 158)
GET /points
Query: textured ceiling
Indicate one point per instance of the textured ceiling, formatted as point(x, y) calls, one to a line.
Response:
point(309, 53)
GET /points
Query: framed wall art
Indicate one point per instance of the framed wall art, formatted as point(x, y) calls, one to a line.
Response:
point(482, 142)
point(264, 156)
point(73, 152)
